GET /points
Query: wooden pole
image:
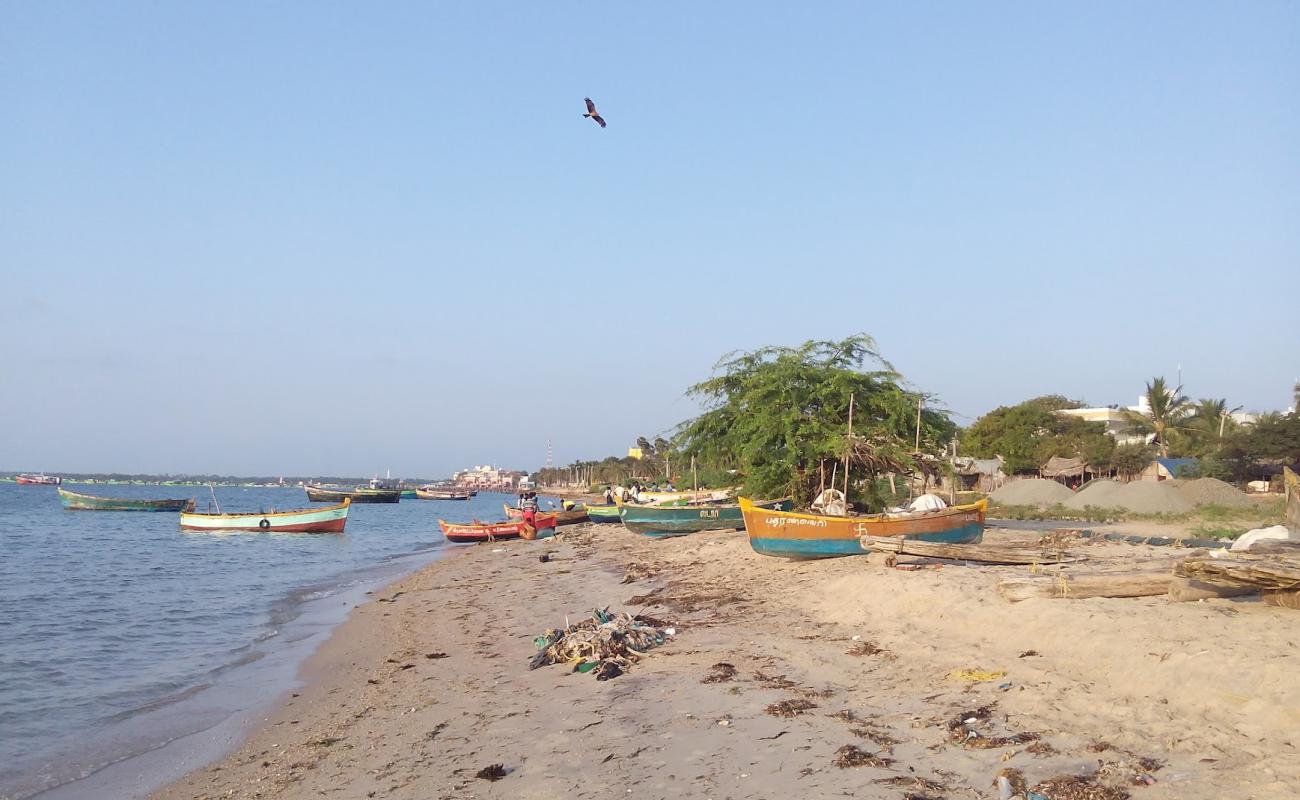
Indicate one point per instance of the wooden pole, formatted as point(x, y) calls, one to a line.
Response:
point(695, 476)
point(917, 447)
point(846, 454)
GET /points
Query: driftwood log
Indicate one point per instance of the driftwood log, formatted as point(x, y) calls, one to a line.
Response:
point(1260, 572)
point(983, 553)
point(1184, 590)
point(1133, 583)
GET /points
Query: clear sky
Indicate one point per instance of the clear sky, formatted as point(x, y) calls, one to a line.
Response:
point(339, 237)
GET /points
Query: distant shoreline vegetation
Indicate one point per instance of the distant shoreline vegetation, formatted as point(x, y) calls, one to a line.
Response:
point(10, 476)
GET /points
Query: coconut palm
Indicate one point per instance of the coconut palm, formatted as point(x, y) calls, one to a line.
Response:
point(1167, 411)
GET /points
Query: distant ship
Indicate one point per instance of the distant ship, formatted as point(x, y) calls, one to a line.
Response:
point(40, 480)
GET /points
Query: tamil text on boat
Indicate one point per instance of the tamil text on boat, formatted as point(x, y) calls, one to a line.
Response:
point(664, 521)
point(75, 501)
point(791, 535)
point(330, 519)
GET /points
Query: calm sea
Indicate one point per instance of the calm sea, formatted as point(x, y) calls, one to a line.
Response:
point(119, 633)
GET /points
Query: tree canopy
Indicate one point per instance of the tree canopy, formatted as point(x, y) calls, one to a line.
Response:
point(1028, 434)
point(778, 413)
point(1166, 415)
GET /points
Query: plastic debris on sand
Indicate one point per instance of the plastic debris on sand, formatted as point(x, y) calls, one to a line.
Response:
point(604, 643)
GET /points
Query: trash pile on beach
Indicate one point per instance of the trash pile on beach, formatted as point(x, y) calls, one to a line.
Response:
point(604, 643)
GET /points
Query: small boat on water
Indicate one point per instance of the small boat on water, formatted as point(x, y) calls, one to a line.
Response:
point(29, 479)
point(75, 501)
point(331, 519)
point(604, 512)
point(791, 535)
point(409, 494)
point(664, 521)
point(361, 494)
point(469, 533)
point(569, 517)
point(441, 493)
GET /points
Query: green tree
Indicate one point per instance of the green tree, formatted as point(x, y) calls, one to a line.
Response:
point(1167, 411)
point(778, 413)
point(1130, 459)
point(1028, 434)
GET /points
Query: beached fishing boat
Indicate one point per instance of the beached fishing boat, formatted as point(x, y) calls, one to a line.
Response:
point(469, 533)
point(791, 535)
point(435, 493)
point(75, 501)
point(308, 520)
point(361, 494)
point(569, 517)
point(42, 479)
point(603, 512)
point(678, 498)
point(664, 521)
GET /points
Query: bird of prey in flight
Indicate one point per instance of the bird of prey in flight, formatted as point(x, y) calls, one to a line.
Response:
point(591, 112)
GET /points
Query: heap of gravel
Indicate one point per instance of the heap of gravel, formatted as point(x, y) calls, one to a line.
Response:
point(1100, 494)
point(1204, 491)
point(1031, 492)
point(1150, 497)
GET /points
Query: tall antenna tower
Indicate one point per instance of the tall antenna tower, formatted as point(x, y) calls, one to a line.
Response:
point(550, 457)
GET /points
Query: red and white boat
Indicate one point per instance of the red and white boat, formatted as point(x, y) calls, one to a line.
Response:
point(467, 533)
point(39, 480)
point(330, 519)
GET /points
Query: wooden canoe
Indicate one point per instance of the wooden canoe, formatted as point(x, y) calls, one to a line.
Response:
point(469, 533)
point(570, 517)
point(663, 521)
point(425, 493)
point(603, 512)
point(790, 535)
point(361, 494)
point(331, 519)
point(75, 501)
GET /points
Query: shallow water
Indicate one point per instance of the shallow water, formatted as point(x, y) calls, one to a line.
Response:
point(108, 619)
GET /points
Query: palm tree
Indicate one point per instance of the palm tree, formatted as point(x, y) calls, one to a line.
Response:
point(1167, 409)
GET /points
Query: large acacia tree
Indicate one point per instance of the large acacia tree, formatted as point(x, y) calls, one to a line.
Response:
point(777, 414)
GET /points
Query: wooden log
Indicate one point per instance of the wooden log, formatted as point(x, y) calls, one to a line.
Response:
point(983, 553)
point(1185, 590)
point(1261, 572)
point(1283, 598)
point(1136, 583)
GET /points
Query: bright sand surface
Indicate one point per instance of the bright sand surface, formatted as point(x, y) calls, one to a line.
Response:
point(1206, 689)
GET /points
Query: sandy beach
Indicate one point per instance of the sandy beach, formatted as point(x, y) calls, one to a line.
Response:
point(429, 683)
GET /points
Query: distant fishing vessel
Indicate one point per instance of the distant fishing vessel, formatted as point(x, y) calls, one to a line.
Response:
point(569, 517)
point(442, 493)
point(39, 480)
point(310, 520)
point(463, 533)
point(791, 535)
point(361, 494)
point(75, 501)
point(664, 521)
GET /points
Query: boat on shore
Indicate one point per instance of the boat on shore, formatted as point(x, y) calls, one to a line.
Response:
point(361, 494)
point(30, 479)
point(76, 501)
point(685, 498)
point(792, 535)
point(331, 519)
point(469, 533)
point(569, 517)
point(660, 522)
point(442, 493)
point(604, 512)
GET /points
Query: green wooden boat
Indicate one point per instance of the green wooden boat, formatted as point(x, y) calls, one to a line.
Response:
point(603, 513)
point(75, 501)
point(662, 521)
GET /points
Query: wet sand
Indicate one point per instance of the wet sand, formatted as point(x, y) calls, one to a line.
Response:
point(429, 683)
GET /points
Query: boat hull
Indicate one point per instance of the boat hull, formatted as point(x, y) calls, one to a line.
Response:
point(75, 501)
point(308, 520)
point(466, 533)
point(318, 494)
point(603, 513)
point(790, 535)
point(659, 522)
point(441, 494)
point(561, 517)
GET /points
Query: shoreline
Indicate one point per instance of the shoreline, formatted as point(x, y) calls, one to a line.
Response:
point(238, 695)
point(427, 684)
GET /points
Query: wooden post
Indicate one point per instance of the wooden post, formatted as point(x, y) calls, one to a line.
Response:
point(917, 447)
point(695, 476)
point(847, 452)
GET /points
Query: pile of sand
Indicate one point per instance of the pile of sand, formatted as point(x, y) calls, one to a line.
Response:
point(1150, 497)
point(1031, 492)
point(1100, 494)
point(1204, 491)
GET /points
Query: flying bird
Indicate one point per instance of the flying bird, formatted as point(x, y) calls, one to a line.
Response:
point(591, 112)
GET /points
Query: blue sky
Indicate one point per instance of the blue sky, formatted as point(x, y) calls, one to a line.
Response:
point(334, 238)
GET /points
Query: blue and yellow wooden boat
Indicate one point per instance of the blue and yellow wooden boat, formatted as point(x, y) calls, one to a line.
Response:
point(790, 535)
point(663, 521)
